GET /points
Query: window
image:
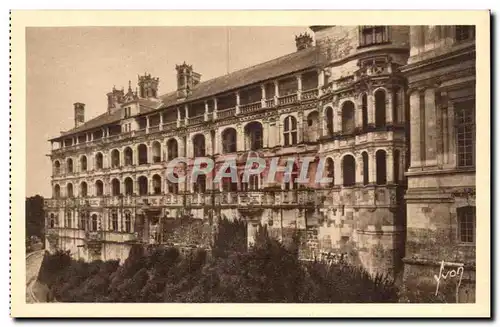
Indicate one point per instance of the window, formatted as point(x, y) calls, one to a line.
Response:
point(69, 166)
point(83, 163)
point(83, 189)
point(229, 140)
point(128, 222)
point(99, 188)
point(466, 224)
point(380, 108)
point(69, 190)
point(371, 35)
point(364, 110)
point(329, 121)
point(199, 145)
point(143, 185)
point(290, 131)
point(114, 221)
point(348, 123)
point(381, 162)
point(98, 161)
point(201, 184)
point(83, 221)
point(127, 153)
point(254, 182)
point(143, 154)
point(156, 184)
point(349, 170)
point(366, 178)
point(253, 134)
point(129, 186)
point(172, 149)
point(57, 167)
point(128, 112)
point(115, 158)
point(330, 170)
point(115, 187)
point(57, 191)
point(465, 125)
point(69, 218)
point(464, 33)
point(52, 221)
point(94, 223)
point(173, 187)
point(156, 152)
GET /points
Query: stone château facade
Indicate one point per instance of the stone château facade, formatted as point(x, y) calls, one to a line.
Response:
point(376, 101)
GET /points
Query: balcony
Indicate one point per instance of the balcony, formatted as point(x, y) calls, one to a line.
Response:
point(270, 103)
point(309, 94)
point(94, 236)
point(196, 120)
point(154, 129)
point(170, 126)
point(140, 132)
point(287, 99)
point(251, 107)
point(226, 113)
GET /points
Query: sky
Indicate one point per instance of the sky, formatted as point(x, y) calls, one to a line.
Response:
point(74, 64)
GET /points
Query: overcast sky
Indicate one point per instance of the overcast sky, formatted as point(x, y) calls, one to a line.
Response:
point(74, 64)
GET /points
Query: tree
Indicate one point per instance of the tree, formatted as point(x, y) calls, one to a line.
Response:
point(35, 218)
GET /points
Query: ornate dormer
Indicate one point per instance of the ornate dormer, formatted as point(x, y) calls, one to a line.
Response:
point(148, 86)
point(115, 98)
point(186, 80)
point(303, 41)
point(130, 96)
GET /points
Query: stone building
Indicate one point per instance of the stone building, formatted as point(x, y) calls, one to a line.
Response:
point(441, 178)
point(343, 96)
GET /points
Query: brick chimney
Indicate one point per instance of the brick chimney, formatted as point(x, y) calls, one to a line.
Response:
point(303, 41)
point(186, 80)
point(79, 113)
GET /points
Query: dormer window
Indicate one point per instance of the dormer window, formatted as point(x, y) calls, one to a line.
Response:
point(372, 35)
point(128, 112)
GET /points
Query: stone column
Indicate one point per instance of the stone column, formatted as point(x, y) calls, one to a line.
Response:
point(389, 160)
point(389, 119)
point(215, 109)
point(370, 107)
point(276, 92)
point(206, 111)
point(208, 143)
point(415, 130)
point(186, 117)
point(300, 127)
point(161, 122)
point(147, 124)
point(372, 167)
point(265, 132)
point(263, 95)
point(431, 133)
point(359, 168)
point(217, 144)
point(452, 159)
point(321, 81)
point(237, 103)
point(337, 120)
point(358, 113)
point(337, 171)
point(299, 86)
point(240, 138)
point(178, 117)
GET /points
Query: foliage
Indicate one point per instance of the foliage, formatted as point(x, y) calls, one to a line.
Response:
point(267, 272)
point(35, 218)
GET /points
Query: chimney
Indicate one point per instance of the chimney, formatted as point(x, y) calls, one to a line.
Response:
point(186, 80)
point(303, 41)
point(148, 86)
point(79, 113)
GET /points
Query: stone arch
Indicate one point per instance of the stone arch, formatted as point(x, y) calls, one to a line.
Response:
point(57, 191)
point(69, 165)
point(128, 156)
point(83, 163)
point(172, 149)
point(129, 186)
point(142, 151)
point(99, 187)
point(99, 160)
point(199, 147)
point(381, 164)
point(115, 187)
point(156, 151)
point(348, 117)
point(366, 175)
point(290, 130)
point(329, 120)
point(229, 140)
point(115, 158)
point(348, 170)
point(142, 183)
point(84, 189)
point(156, 180)
point(312, 130)
point(380, 96)
point(254, 135)
point(57, 167)
point(69, 190)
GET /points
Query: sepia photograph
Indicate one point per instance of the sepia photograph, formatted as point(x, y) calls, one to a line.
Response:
point(242, 164)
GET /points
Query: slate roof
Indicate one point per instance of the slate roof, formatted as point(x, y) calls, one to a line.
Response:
point(284, 65)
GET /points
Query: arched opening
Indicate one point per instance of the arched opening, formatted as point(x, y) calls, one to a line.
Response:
point(199, 145)
point(142, 182)
point(156, 151)
point(329, 121)
point(143, 154)
point(229, 140)
point(172, 149)
point(156, 184)
point(69, 165)
point(57, 191)
point(69, 190)
point(52, 222)
point(115, 187)
point(129, 186)
point(330, 170)
point(57, 167)
point(114, 221)
point(83, 189)
point(253, 136)
point(311, 133)
point(349, 170)
point(99, 188)
point(201, 184)
point(290, 130)
point(228, 185)
point(380, 108)
point(83, 163)
point(128, 156)
point(380, 158)
point(94, 225)
point(348, 123)
point(366, 178)
point(98, 160)
point(128, 222)
point(115, 158)
point(364, 111)
point(396, 166)
point(173, 187)
point(69, 219)
point(83, 223)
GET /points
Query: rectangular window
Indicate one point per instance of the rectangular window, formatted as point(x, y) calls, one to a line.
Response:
point(114, 221)
point(371, 35)
point(464, 32)
point(465, 129)
point(466, 224)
